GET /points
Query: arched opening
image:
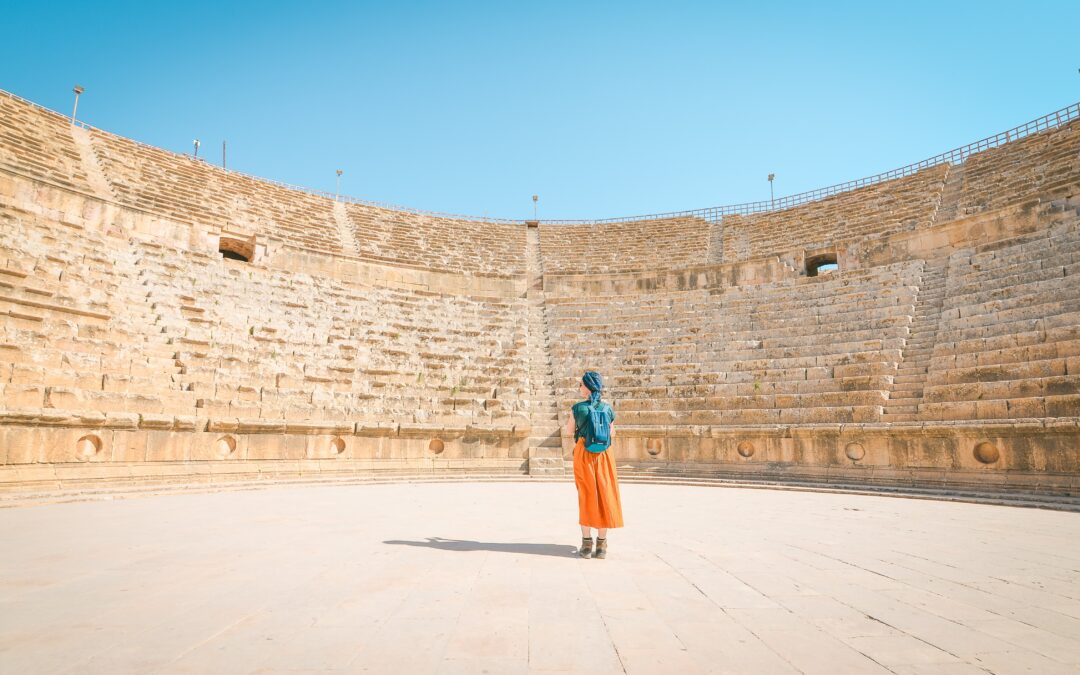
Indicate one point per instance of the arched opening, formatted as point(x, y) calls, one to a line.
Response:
point(232, 255)
point(824, 263)
point(88, 446)
point(337, 445)
point(225, 446)
point(235, 249)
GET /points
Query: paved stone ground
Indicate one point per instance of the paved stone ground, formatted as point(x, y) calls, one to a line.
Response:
point(470, 577)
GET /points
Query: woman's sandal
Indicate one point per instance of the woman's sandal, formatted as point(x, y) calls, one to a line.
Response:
point(586, 547)
point(601, 549)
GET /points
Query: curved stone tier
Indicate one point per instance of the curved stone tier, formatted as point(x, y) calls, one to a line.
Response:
point(165, 320)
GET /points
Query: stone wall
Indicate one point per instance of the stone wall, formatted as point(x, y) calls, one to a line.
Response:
point(756, 371)
point(151, 358)
point(358, 340)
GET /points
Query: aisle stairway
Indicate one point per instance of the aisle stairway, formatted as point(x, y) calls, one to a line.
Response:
point(949, 206)
point(907, 389)
point(90, 165)
point(545, 446)
point(345, 230)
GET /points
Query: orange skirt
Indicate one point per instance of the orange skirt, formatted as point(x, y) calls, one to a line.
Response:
point(597, 488)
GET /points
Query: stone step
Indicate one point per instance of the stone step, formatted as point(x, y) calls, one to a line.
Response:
point(537, 404)
point(914, 378)
point(898, 417)
point(901, 409)
point(905, 393)
point(545, 442)
point(909, 386)
point(540, 416)
point(912, 367)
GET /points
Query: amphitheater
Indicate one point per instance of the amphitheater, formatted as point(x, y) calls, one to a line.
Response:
point(783, 372)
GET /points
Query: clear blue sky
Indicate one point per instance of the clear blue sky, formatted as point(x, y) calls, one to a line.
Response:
point(602, 108)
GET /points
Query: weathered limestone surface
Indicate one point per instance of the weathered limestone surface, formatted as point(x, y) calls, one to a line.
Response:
point(40, 145)
point(356, 338)
point(659, 243)
point(897, 205)
point(1044, 167)
point(485, 248)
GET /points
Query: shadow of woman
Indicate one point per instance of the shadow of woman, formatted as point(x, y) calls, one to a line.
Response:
point(556, 550)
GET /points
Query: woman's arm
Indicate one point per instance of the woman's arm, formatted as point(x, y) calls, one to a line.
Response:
point(570, 427)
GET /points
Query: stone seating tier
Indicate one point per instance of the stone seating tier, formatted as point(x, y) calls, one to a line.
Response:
point(898, 205)
point(44, 145)
point(39, 144)
point(165, 331)
point(400, 238)
point(192, 191)
point(804, 350)
point(1009, 341)
point(1043, 166)
point(660, 243)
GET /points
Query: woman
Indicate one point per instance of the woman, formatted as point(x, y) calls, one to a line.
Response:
point(594, 470)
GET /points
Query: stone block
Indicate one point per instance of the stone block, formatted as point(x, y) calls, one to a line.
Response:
point(168, 446)
point(22, 395)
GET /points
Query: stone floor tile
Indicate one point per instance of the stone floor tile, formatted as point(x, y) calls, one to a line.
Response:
point(744, 581)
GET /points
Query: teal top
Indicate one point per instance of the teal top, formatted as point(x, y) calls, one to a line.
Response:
point(581, 422)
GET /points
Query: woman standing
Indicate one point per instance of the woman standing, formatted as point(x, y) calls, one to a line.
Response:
point(594, 467)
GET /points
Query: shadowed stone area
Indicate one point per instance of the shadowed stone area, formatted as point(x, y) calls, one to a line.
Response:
point(481, 577)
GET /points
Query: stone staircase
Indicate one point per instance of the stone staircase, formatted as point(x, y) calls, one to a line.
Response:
point(715, 253)
point(949, 205)
point(345, 230)
point(94, 174)
point(545, 444)
point(907, 389)
point(1064, 209)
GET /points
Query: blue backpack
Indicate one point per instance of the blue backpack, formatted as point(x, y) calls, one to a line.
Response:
point(598, 435)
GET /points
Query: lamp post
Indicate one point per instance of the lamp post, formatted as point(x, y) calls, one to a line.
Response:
point(771, 199)
point(536, 198)
point(78, 90)
point(197, 143)
point(337, 188)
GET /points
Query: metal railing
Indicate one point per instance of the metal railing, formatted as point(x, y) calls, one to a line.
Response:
point(713, 213)
point(954, 156)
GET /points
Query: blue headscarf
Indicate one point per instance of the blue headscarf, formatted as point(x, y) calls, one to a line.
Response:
point(595, 384)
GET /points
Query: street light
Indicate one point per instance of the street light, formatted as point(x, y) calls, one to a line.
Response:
point(536, 198)
point(771, 200)
point(197, 144)
point(78, 90)
point(337, 190)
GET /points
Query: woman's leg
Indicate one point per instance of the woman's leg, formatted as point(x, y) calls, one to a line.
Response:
point(601, 543)
point(586, 549)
